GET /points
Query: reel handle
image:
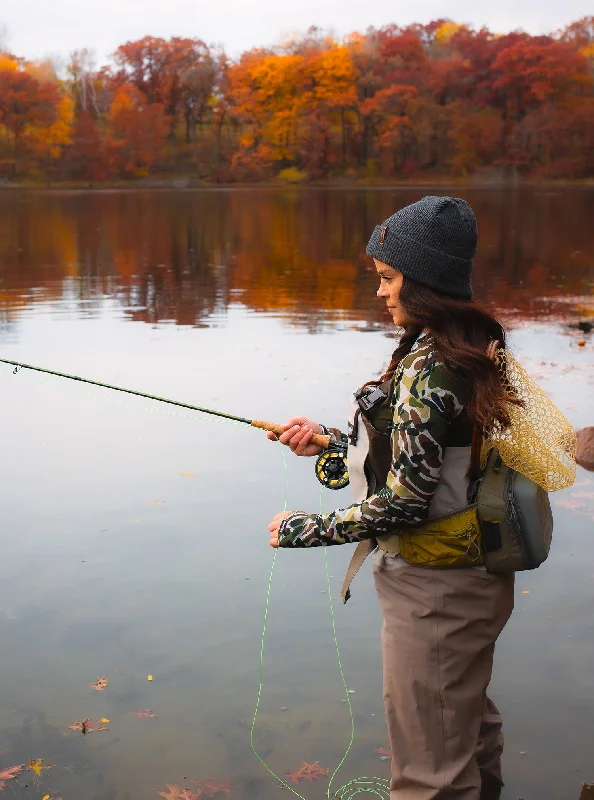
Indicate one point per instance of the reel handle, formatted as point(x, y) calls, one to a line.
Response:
point(317, 438)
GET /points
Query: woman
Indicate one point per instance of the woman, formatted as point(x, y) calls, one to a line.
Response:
point(440, 624)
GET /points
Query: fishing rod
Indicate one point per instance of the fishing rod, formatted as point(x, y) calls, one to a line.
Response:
point(331, 469)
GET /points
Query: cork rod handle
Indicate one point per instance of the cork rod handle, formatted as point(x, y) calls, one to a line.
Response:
point(317, 438)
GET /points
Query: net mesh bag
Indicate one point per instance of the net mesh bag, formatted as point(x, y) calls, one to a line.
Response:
point(540, 443)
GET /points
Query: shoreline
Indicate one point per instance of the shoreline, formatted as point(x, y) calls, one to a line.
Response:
point(190, 184)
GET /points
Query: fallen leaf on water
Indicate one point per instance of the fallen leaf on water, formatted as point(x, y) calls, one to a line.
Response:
point(99, 685)
point(149, 677)
point(307, 772)
point(210, 788)
point(156, 502)
point(384, 754)
point(188, 475)
point(38, 765)
point(88, 726)
point(9, 773)
point(582, 343)
point(103, 719)
point(525, 591)
point(45, 797)
point(147, 713)
point(175, 792)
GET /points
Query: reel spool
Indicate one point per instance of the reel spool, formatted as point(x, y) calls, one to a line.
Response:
point(331, 468)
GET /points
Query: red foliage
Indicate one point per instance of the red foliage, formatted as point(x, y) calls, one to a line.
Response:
point(533, 72)
point(135, 133)
point(25, 103)
point(85, 158)
point(393, 101)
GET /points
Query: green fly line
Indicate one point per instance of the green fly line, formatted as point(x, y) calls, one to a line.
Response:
point(380, 787)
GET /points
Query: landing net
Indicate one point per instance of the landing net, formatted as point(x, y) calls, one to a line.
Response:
point(540, 443)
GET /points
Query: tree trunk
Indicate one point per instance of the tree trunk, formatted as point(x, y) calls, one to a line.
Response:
point(15, 154)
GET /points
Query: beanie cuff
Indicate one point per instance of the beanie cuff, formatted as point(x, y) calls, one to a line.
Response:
point(439, 271)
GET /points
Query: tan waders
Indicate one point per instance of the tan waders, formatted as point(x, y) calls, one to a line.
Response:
point(438, 638)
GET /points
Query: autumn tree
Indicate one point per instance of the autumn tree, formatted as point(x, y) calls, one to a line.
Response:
point(195, 72)
point(135, 133)
point(395, 101)
point(25, 105)
point(145, 64)
point(83, 80)
point(533, 72)
point(86, 159)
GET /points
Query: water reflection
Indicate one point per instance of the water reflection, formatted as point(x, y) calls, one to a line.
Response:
point(133, 542)
point(185, 257)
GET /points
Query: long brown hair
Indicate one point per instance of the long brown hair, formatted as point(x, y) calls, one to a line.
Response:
point(460, 331)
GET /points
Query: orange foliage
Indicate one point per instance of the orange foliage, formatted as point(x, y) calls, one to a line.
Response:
point(394, 101)
point(135, 132)
point(26, 108)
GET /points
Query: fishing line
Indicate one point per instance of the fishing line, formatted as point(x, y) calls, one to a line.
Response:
point(331, 466)
point(379, 787)
point(319, 439)
point(87, 393)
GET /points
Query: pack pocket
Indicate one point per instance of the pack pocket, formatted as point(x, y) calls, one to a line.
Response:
point(450, 541)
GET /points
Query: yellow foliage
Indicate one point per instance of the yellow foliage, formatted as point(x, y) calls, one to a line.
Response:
point(8, 64)
point(292, 175)
point(588, 50)
point(446, 31)
point(59, 134)
point(335, 76)
point(52, 139)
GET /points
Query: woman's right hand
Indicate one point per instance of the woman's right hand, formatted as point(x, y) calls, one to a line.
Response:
point(298, 432)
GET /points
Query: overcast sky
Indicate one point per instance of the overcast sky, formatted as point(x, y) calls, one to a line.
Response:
point(38, 28)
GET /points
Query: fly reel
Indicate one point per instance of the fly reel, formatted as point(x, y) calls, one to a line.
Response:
point(332, 469)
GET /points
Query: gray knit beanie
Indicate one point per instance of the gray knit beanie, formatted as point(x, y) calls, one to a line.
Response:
point(432, 241)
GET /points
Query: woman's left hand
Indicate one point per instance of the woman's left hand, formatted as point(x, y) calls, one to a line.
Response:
point(274, 526)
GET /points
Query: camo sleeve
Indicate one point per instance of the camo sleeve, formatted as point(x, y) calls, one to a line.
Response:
point(425, 401)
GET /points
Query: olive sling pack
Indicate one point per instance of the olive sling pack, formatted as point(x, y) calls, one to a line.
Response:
point(507, 524)
point(514, 512)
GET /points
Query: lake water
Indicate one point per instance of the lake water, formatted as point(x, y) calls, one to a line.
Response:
point(133, 537)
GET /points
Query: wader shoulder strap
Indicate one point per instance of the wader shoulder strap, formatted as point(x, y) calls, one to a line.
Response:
point(362, 550)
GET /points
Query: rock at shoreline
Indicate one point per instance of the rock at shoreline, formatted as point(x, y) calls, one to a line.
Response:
point(585, 448)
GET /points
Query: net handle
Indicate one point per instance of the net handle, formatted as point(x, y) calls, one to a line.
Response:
point(477, 431)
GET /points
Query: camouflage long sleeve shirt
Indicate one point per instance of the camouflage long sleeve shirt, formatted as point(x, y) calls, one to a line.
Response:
point(425, 401)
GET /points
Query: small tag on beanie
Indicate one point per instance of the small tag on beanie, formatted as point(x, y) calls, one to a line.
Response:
point(382, 236)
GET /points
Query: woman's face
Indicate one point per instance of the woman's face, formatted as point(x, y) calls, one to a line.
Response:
point(389, 290)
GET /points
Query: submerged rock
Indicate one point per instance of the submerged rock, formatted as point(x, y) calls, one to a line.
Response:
point(587, 791)
point(585, 448)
